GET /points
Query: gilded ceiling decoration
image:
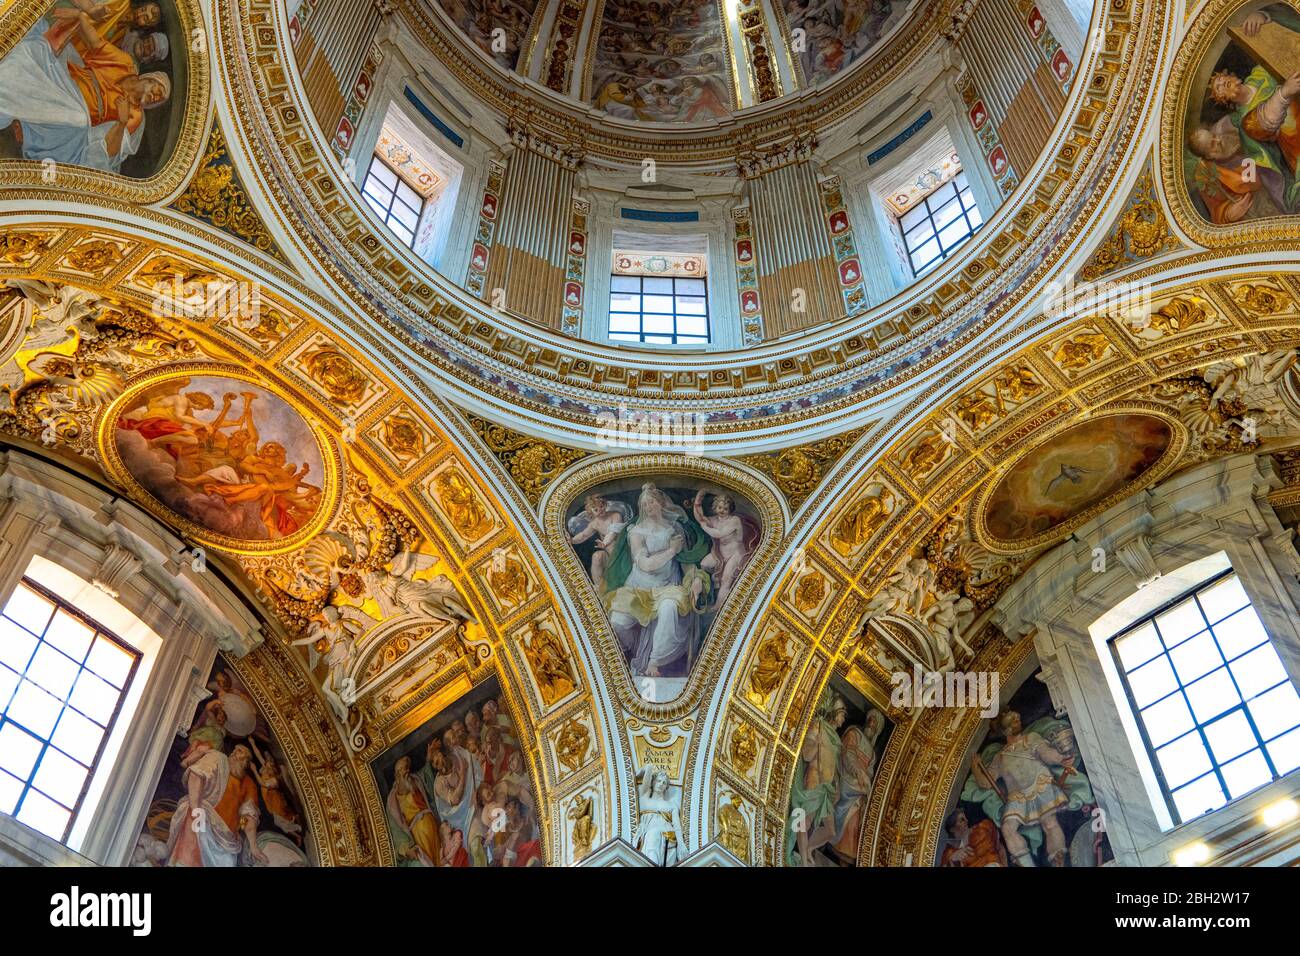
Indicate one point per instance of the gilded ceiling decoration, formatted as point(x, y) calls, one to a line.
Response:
point(217, 197)
point(1141, 232)
point(640, 645)
point(798, 471)
point(735, 392)
point(532, 462)
point(905, 551)
point(1223, 166)
point(274, 449)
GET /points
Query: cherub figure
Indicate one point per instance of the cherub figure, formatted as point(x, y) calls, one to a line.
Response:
point(603, 520)
point(733, 542)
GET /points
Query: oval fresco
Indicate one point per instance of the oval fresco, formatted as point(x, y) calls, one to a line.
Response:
point(664, 554)
point(1073, 472)
point(234, 461)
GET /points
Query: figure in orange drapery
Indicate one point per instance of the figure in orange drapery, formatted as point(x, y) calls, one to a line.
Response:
point(972, 846)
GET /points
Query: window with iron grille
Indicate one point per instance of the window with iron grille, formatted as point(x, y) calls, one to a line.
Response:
point(62, 681)
point(396, 203)
point(658, 310)
point(939, 223)
point(1217, 710)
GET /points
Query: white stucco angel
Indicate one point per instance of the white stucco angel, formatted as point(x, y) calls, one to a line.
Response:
point(904, 592)
point(398, 592)
point(1255, 383)
point(659, 823)
point(945, 619)
point(333, 635)
point(52, 315)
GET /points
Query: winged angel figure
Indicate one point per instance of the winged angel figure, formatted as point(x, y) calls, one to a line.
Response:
point(379, 562)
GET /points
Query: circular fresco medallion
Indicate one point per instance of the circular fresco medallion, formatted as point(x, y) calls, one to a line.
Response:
point(1060, 483)
point(224, 456)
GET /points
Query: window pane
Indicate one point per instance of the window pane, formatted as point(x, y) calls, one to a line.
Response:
point(110, 662)
point(53, 671)
point(16, 645)
point(407, 217)
point(29, 609)
point(1196, 657)
point(94, 698)
point(78, 736)
point(8, 684)
point(1152, 681)
point(1246, 774)
point(691, 305)
point(923, 256)
point(659, 339)
point(11, 788)
point(1138, 646)
point(1200, 797)
point(1257, 671)
point(1168, 719)
point(624, 337)
point(690, 287)
point(624, 302)
point(657, 303)
point(1240, 633)
point(625, 284)
point(408, 195)
point(380, 171)
point(1276, 711)
point(70, 635)
point(1230, 737)
point(976, 220)
point(401, 232)
point(922, 232)
point(1183, 760)
point(34, 709)
point(380, 207)
point(1180, 622)
point(1211, 696)
point(911, 218)
point(950, 211)
point(1285, 752)
point(1222, 598)
point(954, 235)
point(658, 323)
point(692, 325)
point(18, 750)
point(622, 322)
point(60, 777)
point(41, 813)
point(656, 285)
